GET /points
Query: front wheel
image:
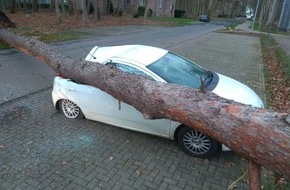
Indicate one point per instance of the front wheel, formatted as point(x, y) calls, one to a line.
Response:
point(70, 109)
point(197, 144)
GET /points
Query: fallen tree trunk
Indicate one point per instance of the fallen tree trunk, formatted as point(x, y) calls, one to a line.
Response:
point(260, 135)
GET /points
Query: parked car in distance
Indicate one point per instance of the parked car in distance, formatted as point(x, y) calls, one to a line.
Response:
point(81, 100)
point(204, 18)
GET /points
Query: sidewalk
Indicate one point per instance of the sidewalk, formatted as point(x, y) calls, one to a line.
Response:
point(282, 40)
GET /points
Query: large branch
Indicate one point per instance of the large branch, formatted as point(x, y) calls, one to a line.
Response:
point(260, 135)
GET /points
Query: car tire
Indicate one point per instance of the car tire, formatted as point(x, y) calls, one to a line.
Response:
point(70, 109)
point(196, 143)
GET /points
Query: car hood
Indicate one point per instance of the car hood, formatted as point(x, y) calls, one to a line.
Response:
point(233, 90)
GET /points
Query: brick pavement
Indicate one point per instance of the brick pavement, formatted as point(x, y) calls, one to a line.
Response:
point(41, 149)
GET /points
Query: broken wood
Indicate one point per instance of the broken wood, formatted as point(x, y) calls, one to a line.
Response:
point(254, 175)
point(259, 135)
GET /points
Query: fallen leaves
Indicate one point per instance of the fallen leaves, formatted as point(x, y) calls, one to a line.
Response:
point(277, 84)
point(36, 22)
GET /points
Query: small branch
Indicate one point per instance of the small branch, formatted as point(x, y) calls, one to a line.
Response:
point(254, 175)
point(233, 185)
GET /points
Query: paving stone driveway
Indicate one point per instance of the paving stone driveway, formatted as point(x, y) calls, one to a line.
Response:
point(41, 149)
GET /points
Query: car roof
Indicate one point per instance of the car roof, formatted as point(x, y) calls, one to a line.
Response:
point(141, 54)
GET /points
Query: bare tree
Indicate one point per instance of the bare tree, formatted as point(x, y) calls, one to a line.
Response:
point(25, 4)
point(234, 8)
point(52, 5)
point(85, 17)
point(34, 5)
point(12, 6)
point(57, 11)
point(96, 4)
point(272, 11)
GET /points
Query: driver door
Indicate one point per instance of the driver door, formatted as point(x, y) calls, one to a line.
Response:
point(132, 118)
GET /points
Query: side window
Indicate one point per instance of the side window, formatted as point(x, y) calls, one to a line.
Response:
point(127, 68)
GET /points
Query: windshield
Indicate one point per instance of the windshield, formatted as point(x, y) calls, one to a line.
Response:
point(175, 69)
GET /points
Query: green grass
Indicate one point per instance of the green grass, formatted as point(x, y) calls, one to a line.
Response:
point(265, 29)
point(168, 21)
point(58, 37)
point(49, 37)
point(4, 45)
point(234, 25)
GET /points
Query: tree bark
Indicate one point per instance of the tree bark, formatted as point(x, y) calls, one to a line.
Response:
point(57, 11)
point(272, 12)
point(254, 171)
point(12, 6)
point(34, 5)
point(85, 18)
point(259, 135)
point(97, 9)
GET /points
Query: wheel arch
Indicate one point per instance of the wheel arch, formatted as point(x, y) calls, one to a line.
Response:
point(177, 131)
point(57, 104)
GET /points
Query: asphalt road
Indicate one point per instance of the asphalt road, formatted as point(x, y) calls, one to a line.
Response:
point(21, 74)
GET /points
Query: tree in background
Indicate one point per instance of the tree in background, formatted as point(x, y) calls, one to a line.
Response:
point(97, 12)
point(85, 17)
point(34, 5)
point(12, 6)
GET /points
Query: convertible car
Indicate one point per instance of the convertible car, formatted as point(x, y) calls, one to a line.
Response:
point(85, 101)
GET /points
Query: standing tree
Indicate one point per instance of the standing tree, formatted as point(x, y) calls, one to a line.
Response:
point(12, 6)
point(96, 4)
point(57, 11)
point(85, 16)
point(34, 5)
point(52, 5)
point(271, 14)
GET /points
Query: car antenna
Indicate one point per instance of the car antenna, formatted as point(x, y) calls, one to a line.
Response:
point(89, 52)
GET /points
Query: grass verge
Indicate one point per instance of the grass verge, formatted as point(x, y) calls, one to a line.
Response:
point(272, 53)
point(4, 45)
point(263, 28)
point(168, 21)
point(49, 37)
point(267, 41)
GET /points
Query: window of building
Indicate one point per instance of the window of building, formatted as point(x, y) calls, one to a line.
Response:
point(160, 3)
point(141, 2)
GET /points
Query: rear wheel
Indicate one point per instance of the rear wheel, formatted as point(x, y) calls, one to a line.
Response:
point(197, 144)
point(70, 109)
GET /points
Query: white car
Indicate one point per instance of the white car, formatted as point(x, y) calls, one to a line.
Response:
point(81, 100)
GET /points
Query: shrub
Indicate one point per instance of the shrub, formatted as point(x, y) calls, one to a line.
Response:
point(179, 13)
point(141, 11)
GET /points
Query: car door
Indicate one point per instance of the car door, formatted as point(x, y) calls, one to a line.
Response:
point(132, 118)
point(96, 104)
